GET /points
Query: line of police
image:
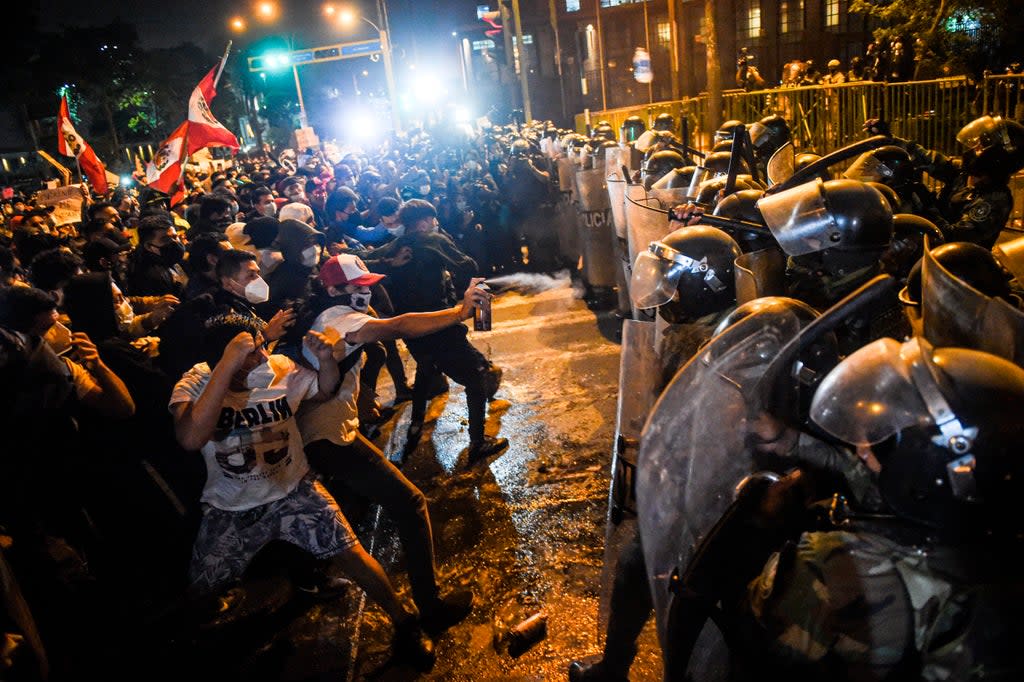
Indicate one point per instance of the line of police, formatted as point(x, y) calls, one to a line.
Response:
point(816, 465)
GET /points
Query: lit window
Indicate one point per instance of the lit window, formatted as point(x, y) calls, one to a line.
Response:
point(572, 5)
point(791, 16)
point(483, 45)
point(664, 33)
point(832, 12)
point(749, 25)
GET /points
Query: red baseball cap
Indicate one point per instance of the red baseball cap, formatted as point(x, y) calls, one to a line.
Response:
point(347, 268)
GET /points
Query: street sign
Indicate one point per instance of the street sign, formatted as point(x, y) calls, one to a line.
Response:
point(315, 55)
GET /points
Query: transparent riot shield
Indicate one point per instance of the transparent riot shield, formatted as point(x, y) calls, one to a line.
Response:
point(670, 196)
point(782, 164)
point(693, 452)
point(760, 273)
point(566, 172)
point(1010, 255)
point(646, 222)
point(617, 200)
point(565, 228)
point(955, 314)
point(616, 184)
point(639, 372)
point(595, 228)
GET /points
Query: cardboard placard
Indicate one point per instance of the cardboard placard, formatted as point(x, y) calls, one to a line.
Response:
point(67, 203)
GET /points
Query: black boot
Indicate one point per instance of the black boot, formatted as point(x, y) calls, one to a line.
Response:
point(594, 672)
point(412, 645)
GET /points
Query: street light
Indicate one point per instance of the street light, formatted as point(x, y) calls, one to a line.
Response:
point(266, 10)
point(347, 17)
point(237, 24)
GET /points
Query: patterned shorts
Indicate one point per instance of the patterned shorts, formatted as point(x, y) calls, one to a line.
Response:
point(227, 541)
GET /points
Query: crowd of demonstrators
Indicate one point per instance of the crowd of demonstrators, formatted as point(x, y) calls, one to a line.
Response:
point(242, 323)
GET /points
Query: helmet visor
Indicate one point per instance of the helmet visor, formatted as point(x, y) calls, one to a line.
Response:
point(760, 135)
point(654, 280)
point(799, 219)
point(869, 396)
point(867, 168)
point(983, 133)
point(782, 164)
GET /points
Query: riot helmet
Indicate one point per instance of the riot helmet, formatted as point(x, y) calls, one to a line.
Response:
point(658, 164)
point(943, 424)
point(709, 190)
point(604, 130)
point(519, 148)
point(664, 121)
point(908, 242)
point(840, 215)
point(718, 163)
point(677, 178)
point(775, 305)
point(687, 274)
point(889, 165)
point(727, 130)
point(889, 193)
point(631, 129)
point(995, 147)
point(768, 135)
point(722, 146)
point(805, 159)
point(973, 265)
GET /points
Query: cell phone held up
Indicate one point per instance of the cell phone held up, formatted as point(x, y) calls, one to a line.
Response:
point(482, 314)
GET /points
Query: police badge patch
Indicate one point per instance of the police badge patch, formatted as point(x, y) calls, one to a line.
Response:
point(979, 211)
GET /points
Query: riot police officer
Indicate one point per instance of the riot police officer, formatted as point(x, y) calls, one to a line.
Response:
point(975, 201)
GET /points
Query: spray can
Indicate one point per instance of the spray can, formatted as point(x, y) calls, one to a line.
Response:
point(527, 633)
point(482, 314)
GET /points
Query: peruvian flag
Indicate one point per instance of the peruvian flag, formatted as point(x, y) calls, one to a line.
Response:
point(164, 171)
point(70, 143)
point(205, 130)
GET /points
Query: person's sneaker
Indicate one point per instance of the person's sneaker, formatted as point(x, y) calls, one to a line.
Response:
point(413, 646)
point(480, 450)
point(593, 672)
point(446, 611)
point(324, 588)
point(492, 381)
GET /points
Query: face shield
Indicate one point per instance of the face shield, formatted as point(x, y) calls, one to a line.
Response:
point(882, 389)
point(800, 220)
point(867, 168)
point(984, 133)
point(657, 272)
point(782, 165)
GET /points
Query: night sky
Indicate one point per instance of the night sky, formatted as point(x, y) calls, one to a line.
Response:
point(418, 25)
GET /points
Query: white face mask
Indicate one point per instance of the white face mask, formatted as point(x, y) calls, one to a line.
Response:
point(360, 301)
point(125, 315)
point(311, 256)
point(269, 210)
point(424, 189)
point(257, 291)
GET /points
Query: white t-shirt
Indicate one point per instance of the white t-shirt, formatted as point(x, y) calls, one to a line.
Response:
point(337, 419)
point(255, 455)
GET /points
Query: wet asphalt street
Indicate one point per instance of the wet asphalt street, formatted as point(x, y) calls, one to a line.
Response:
point(524, 530)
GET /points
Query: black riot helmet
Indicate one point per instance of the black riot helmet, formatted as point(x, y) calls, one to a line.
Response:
point(774, 304)
point(973, 265)
point(687, 274)
point(838, 215)
point(908, 241)
point(889, 165)
point(677, 178)
point(994, 147)
point(768, 134)
point(889, 193)
point(708, 191)
point(604, 131)
point(599, 146)
point(718, 163)
point(631, 129)
point(722, 146)
point(519, 148)
point(804, 159)
point(727, 130)
point(742, 205)
point(664, 121)
point(658, 164)
point(944, 425)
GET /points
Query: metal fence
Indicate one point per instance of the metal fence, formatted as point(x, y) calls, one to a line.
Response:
point(826, 117)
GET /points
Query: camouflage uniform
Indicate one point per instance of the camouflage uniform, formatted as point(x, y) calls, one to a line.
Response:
point(964, 213)
point(860, 605)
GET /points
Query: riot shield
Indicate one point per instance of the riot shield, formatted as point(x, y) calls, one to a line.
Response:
point(953, 313)
point(566, 171)
point(760, 273)
point(693, 449)
point(639, 372)
point(616, 198)
point(1010, 255)
point(565, 228)
point(782, 164)
point(669, 197)
point(646, 222)
point(595, 228)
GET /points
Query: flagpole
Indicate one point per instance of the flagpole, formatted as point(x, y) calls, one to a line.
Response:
point(223, 61)
point(79, 167)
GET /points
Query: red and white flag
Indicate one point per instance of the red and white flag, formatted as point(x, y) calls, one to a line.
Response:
point(164, 171)
point(204, 129)
point(70, 143)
